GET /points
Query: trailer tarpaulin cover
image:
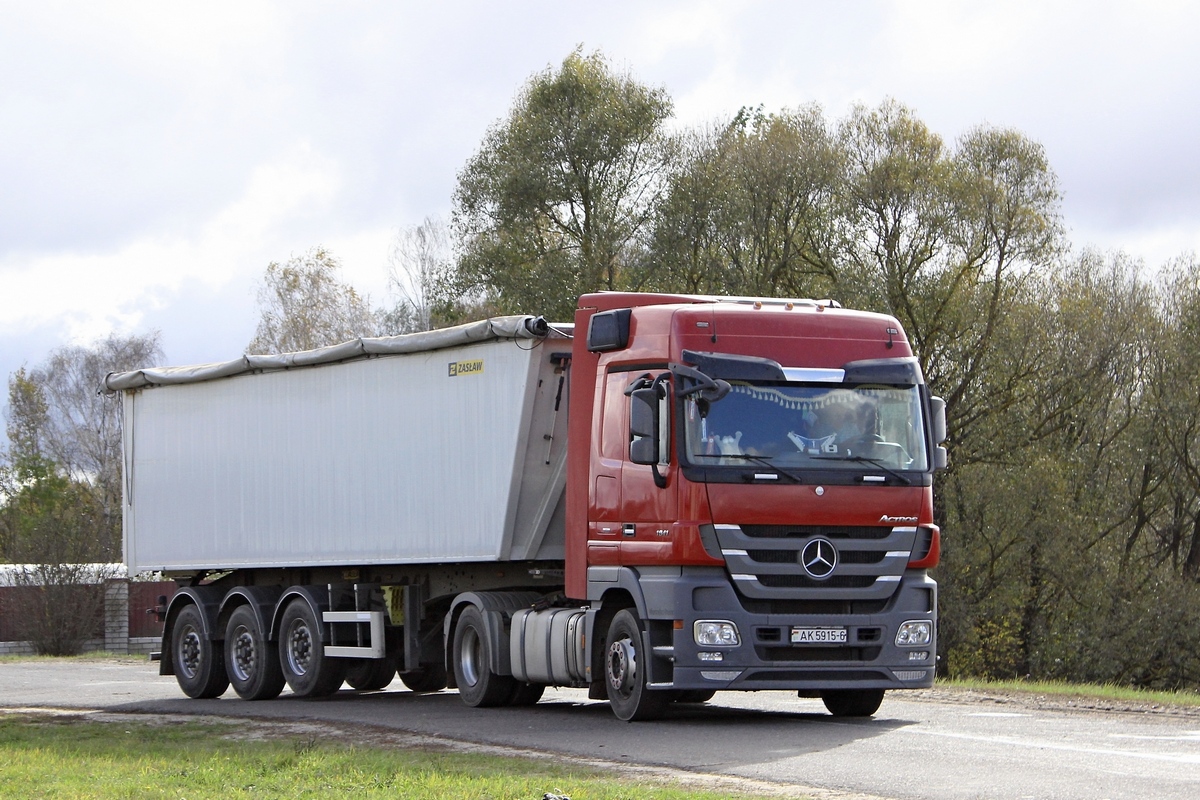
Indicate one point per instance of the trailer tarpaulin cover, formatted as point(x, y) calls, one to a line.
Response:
point(513, 327)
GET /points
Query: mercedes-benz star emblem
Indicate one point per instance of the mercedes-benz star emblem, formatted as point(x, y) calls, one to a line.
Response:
point(818, 558)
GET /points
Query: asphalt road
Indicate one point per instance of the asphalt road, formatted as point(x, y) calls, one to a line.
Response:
point(936, 745)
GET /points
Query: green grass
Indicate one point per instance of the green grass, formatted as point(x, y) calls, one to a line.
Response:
point(73, 757)
point(1094, 691)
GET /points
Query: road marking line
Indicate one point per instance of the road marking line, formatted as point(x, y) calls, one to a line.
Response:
point(1176, 758)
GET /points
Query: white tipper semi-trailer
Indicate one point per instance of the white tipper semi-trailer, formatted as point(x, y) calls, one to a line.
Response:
point(411, 504)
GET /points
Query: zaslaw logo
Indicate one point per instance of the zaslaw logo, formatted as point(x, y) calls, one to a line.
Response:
point(466, 368)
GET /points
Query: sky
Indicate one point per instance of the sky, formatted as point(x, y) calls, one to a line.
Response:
point(155, 157)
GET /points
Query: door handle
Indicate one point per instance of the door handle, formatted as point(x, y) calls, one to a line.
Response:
point(629, 529)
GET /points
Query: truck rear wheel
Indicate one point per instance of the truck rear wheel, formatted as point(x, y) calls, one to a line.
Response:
point(251, 663)
point(852, 702)
point(198, 661)
point(477, 684)
point(308, 671)
point(625, 671)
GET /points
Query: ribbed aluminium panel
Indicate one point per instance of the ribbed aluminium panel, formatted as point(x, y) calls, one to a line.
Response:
point(385, 460)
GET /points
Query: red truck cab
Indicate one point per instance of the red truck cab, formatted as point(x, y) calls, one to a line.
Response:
point(755, 477)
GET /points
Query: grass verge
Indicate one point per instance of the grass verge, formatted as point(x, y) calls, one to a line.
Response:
point(73, 756)
point(1096, 691)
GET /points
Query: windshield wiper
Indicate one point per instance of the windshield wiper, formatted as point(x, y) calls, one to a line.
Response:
point(872, 461)
point(764, 461)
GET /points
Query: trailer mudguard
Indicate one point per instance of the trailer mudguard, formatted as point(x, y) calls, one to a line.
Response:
point(263, 600)
point(310, 595)
point(208, 600)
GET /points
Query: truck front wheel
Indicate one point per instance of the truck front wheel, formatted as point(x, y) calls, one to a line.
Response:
point(251, 663)
point(852, 702)
point(199, 665)
point(308, 671)
point(477, 684)
point(625, 667)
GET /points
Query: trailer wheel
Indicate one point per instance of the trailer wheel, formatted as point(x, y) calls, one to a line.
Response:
point(308, 671)
point(477, 684)
point(852, 702)
point(429, 678)
point(251, 663)
point(370, 674)
point(199, 662)
point(625, 672)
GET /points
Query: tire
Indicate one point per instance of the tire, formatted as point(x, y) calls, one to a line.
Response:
point(625, 672)
point(199, 661)
point(692, 695)
point(308, 671)
point(251, 663)
point(526, 694)
point(478, 686)
point(852, 702)
point(429, 678)
point(370, 674)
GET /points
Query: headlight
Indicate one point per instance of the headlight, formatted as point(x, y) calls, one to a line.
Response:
point(715, 633)
point(914, 633)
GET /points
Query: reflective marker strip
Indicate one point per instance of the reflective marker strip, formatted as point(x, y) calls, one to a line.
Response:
point(734, 553)
point(897, 554)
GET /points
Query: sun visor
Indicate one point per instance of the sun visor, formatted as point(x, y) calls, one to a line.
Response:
point(891, 371)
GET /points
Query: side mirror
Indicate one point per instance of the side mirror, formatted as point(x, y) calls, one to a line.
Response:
point(643, 426)
point(938, 406)
point(649, 425)
point(941, 459)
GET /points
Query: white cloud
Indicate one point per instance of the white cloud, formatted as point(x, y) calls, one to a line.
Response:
point(156, 152)
point(95, 292)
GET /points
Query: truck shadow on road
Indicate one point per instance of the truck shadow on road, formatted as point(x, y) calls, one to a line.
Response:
point(715, 735)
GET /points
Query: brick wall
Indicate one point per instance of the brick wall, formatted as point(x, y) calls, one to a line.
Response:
point(125, 627)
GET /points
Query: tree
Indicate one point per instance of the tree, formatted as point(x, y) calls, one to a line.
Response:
point(749, 209)
point(56, 414)
point(60, 492)
point(305, 305)
point(56, 530)
point(420, 274)
point(556, 201)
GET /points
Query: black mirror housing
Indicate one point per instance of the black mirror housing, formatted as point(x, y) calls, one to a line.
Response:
point(609, 330)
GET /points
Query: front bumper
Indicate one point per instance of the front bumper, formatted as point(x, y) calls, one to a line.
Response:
point(766, 658)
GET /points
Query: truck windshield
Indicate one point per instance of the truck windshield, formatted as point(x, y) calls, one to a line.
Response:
point(808, 426)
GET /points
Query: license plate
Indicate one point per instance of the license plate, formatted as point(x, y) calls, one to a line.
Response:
point(819, 636)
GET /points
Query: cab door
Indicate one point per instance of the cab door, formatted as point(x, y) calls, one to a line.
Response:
point(649, 492)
